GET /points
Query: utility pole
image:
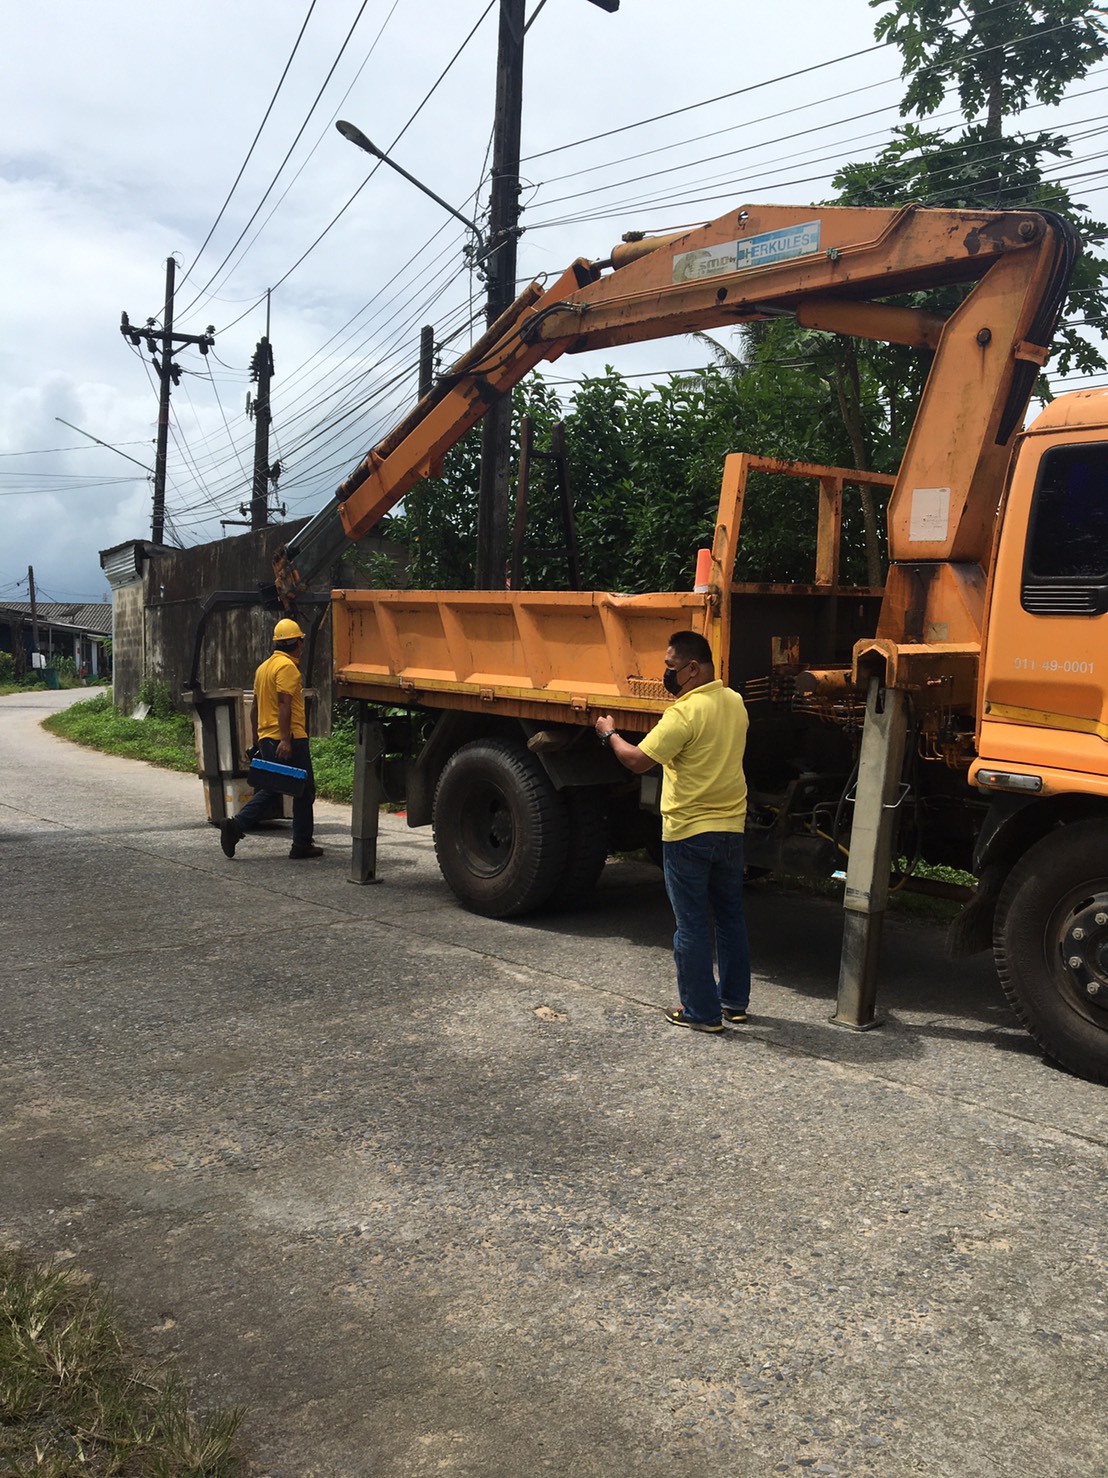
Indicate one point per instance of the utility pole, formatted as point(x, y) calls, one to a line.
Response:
point(34, 611)
point(261, 370)
point(426, 359)
point(168, 374)
point(500, 265)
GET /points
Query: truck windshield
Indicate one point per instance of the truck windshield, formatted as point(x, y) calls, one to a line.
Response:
point(1069, 518)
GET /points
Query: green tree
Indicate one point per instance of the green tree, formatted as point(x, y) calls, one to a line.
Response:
point(998, 57)
point(645, 464)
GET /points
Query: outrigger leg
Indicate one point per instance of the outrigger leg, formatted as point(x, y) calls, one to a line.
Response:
point(877, 796)
point(368, 794)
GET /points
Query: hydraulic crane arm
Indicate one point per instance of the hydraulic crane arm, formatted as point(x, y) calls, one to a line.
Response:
point(830, 268)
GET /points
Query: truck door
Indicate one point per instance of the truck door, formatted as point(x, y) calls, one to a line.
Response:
point(1044, 696)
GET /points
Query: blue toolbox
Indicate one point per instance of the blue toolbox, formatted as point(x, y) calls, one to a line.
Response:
point(268, 775)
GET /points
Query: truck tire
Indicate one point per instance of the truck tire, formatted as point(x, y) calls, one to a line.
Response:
point(588, 846)
point(1050, 942)
point(501, 829)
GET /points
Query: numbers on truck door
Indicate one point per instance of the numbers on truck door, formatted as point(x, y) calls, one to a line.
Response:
point(1053, 664)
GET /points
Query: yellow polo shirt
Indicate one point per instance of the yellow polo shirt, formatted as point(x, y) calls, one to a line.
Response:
point(278, 674)
point(699, 742)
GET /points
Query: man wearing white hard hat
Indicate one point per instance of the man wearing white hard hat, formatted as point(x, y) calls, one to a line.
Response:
point(281, 733)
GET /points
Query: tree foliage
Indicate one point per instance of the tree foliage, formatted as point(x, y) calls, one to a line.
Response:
point(997, 57)
point(645, 465)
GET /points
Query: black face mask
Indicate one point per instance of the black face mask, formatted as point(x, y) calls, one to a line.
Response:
point(669, 680)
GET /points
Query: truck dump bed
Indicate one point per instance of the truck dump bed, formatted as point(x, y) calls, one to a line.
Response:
point(550, 656)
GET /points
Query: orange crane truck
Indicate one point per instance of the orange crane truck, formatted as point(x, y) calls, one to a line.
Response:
point(959, 713)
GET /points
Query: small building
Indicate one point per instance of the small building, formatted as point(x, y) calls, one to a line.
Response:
point(65, 629)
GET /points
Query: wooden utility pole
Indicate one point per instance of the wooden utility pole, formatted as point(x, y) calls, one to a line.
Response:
point(500, 265)
point(168, 374)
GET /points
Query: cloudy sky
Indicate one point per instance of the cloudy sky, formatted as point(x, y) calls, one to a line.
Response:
point(127, 122)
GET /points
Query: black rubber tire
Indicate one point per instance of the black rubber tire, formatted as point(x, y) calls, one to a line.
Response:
point(501, 829)
point(1060, 881)
point(588, 846)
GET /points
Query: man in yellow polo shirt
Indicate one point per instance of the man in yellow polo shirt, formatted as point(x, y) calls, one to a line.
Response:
point(699, 741)
point(281, 733)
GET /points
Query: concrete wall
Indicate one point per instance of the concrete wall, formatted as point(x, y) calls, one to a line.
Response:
point(156, 616)
point(128, 644)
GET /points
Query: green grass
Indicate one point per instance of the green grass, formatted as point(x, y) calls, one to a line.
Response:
point(76, 1399)
point(333, 766)
point(98, 724)
point(169, 742)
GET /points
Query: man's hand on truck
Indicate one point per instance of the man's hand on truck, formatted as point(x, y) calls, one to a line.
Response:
point(630, 756)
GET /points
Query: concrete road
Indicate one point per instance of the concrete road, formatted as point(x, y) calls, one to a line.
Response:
point(438, 1195)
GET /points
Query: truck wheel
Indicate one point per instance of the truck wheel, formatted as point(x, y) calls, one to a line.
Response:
point(1050, 942)
point(501, 829)
point(588, 846)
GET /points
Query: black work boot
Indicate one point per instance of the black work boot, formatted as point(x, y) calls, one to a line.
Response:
point(230, 834)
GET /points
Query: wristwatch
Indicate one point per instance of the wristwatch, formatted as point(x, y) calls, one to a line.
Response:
point(606, 737)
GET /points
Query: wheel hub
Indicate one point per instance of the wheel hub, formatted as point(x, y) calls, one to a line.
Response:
point(1084, 946)
point(486, 831)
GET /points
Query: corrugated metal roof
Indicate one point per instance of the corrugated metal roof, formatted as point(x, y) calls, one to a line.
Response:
point(122, 564)
point(95, 618)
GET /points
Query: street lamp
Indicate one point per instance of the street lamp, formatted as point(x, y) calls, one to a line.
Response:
point(352, 132)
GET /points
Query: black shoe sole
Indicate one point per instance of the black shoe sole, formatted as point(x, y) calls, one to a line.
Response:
point(675, 1018)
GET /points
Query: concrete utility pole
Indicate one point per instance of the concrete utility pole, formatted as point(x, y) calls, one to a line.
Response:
point(261, 370)
point(500, 264)
point(426, 359)
point(168, 374)
point(34, 608)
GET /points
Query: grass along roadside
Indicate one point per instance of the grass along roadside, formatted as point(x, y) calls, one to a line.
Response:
point(98, 724)
point(76, 1398)
point(168, 741)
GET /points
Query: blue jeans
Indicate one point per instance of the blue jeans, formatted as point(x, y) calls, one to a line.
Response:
point(704, 880)
point(259, 807)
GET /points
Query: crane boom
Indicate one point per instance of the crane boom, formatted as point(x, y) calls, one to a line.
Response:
point(829, 267)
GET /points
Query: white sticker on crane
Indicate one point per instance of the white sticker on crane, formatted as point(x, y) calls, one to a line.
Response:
point(930, 521)
point(754, 251)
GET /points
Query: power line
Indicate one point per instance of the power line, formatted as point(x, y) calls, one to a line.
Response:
point(1037, 36)
point(338, 216)
point(284, 161)
point(706, 102)
point(254, 302)
point(254, 142)
point(42, 451)
point(77, 487)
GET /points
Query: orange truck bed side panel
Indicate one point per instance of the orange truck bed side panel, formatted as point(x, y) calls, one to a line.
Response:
point(591, 650)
